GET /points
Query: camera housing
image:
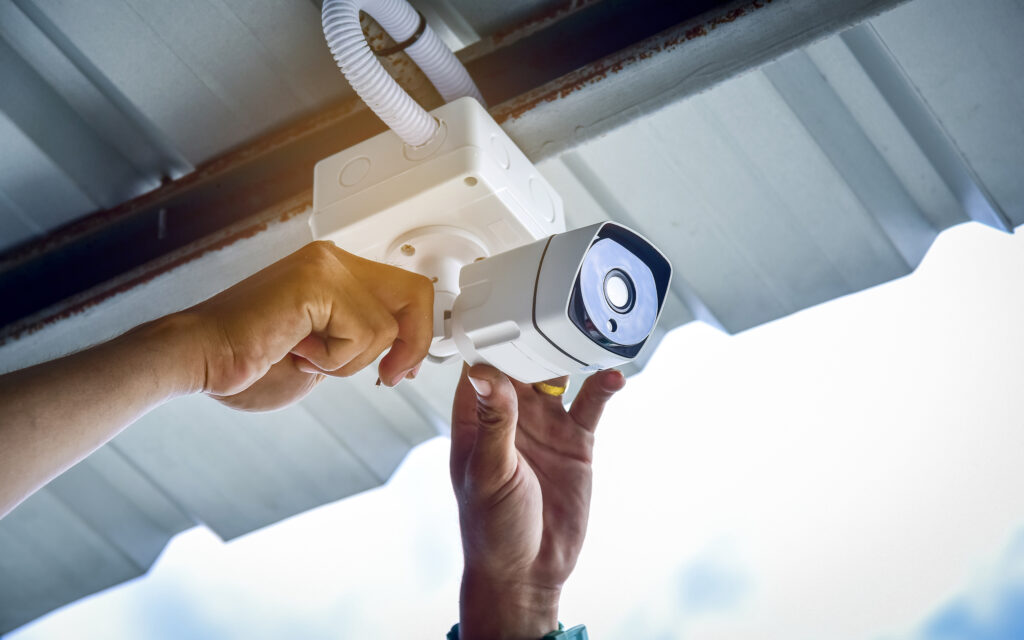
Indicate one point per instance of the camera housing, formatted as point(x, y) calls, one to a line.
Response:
point(578, 301)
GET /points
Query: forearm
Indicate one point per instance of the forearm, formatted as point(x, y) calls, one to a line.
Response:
point(488, 609)
point(54, 414)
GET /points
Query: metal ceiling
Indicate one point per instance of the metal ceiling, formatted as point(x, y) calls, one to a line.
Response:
point(106, 100)
point(814, 175)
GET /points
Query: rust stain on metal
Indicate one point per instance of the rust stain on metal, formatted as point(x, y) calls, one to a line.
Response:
point(294, 207)
point(375, 35)
point(696, 32)
point(304, 203)
point(732, 16)
point(208, 171)
point(598, 71)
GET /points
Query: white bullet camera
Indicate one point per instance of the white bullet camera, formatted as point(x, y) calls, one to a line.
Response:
point(471, 212)
point(582, 300)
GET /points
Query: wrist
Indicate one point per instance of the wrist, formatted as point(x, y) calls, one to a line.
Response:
point(174, 343)
point(506, 609)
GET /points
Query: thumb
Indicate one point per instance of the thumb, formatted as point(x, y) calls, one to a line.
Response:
point(492, 461)
point(596, 391)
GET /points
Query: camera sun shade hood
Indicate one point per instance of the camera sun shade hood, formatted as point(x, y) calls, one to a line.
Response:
point(558, 279)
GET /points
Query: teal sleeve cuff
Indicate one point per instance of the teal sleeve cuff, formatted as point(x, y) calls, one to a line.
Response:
point(579, 632)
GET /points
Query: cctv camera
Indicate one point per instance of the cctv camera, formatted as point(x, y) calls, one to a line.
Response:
point(582, 300)
point(472, 213)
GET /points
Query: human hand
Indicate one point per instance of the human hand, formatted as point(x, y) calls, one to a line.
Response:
point(267, 341)
point(520, 466)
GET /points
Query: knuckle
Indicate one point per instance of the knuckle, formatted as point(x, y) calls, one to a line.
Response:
point(362, 337)
point(421, 284)
point(317, 260)
point(388, 330)
point(322, 246)
point(318, 250)
point(424, 290)
point(488, 417)
point(331, 362)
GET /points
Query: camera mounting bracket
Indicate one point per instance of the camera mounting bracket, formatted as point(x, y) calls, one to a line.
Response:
point(467, 194)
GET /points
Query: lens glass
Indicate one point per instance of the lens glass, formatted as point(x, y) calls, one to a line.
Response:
point(618, 294)
point(618, 290)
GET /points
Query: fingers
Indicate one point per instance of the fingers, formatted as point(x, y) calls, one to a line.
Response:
point(561, 381)
point(357, 331)
point(325, 355)
point(283, 384)
point(415, 332)
point(463, 422)
point(408, 299)
point(596, 391)
point(492, 459)
point(371, 308)
point(373, 343)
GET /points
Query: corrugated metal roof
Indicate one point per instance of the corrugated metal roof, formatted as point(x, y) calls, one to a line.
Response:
point(107, 98)
point(825, 172)
point(104, 100)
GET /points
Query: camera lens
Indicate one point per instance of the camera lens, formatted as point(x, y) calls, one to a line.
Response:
point(619, 291)
point(618, 297)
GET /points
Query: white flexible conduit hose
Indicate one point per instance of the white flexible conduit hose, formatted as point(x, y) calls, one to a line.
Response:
point(373, 83)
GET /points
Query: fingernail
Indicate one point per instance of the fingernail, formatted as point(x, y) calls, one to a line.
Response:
point(621, 376)
point(399, 378)
point(415, 371)
point(483, 387)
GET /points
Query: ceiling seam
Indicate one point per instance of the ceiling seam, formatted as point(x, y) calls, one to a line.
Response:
point(159, 488)
point(301, 96)
point(924, 126)
point(12, 206)
point(57, 491)
point(853, 155)
point(173, 164)
point(340, 442)
point(793, 226)
point(102, 536)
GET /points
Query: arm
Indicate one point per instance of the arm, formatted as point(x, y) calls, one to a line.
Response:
point(259, 345)
point(54, 414)
point(520, 466)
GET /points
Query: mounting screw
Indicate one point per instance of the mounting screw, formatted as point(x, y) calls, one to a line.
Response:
point(407, 250)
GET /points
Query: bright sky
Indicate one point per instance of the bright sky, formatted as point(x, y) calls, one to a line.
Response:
point(852, 471)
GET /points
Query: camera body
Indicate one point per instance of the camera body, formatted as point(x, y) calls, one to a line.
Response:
point(578, 301)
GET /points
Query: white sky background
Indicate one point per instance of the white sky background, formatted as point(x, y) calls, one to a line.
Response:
point(851, 471)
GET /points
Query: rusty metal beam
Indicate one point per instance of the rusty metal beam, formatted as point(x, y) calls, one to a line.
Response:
point(681, 61)
point(555, 82)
